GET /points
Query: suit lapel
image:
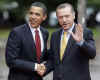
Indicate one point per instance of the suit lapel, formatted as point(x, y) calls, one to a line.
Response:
point(58, 43)
point(29, 38)
point(44, 38)
point(43, 34)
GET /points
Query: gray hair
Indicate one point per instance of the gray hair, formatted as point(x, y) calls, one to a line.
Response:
point(63, 5)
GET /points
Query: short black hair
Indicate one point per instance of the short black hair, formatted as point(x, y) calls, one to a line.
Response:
point(41, 5)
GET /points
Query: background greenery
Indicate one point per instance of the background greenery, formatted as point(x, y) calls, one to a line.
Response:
point(20, 11)
point(5, 32)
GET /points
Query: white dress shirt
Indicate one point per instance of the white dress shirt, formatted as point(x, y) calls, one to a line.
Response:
point(40, 34)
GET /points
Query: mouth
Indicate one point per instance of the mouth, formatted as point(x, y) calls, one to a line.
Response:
point(66, 24)
point(33, 21)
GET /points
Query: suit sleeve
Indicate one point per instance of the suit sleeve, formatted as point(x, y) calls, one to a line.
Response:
point(50, 61)
point(13, 48)
point(88, 46)
point(45, 57)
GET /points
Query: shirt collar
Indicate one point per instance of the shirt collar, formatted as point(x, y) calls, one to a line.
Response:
point(71, 28)
point(33, 29)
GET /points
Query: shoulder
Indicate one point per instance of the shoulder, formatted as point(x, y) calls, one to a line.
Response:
point(57, 32)
point(87, 31)
point(19, 28)
point(44, 30)
point(88, 34)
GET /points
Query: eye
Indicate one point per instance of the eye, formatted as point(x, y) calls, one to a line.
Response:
point(30, 13)
point(37, 14)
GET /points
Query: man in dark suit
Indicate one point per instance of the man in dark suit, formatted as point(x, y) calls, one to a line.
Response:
point(71, 47)
point(27, 46)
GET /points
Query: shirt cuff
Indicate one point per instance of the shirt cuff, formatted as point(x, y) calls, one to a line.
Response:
point(35, 68)
point(80, 43)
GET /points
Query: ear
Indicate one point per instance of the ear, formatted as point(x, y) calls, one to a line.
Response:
point(44, 17)
point(74, 15)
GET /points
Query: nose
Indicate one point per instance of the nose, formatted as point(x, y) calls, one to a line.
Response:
point(64, 19)
point(33, 16)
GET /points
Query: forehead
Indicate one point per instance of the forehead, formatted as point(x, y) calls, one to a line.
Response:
point(36, 9)
point(64, 11)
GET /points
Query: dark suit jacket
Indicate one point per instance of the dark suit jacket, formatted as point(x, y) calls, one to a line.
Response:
point(21, 53)
point(75, 63)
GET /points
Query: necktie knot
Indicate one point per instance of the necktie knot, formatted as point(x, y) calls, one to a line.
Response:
point(65, 33)
point(36, 31)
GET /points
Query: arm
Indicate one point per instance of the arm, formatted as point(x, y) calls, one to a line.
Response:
point(88, 45)
point(86, 37)
point(50, 61)
point(13, 50)
point(45, 57)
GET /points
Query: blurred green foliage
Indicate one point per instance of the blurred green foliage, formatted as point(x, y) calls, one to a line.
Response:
point(5, 32)
point(94, 2)
point(96, 31)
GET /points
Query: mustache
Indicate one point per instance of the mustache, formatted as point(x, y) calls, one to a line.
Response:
point(66, 23)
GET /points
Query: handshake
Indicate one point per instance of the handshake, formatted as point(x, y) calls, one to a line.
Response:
point(41, 69)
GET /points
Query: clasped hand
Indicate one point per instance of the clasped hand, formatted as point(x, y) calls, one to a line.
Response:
point(41, 69)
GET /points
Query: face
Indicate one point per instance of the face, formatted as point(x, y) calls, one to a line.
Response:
point(65, 17)
point(36, 16)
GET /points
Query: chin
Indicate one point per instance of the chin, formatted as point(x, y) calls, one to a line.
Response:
point(66, 28)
